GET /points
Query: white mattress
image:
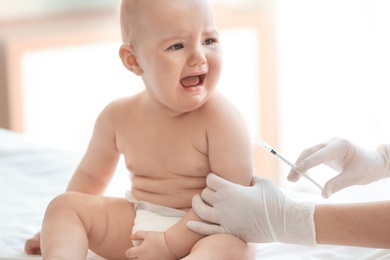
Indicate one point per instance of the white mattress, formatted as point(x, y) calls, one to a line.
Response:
point(32, 175)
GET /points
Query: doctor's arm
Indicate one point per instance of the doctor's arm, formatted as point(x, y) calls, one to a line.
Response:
point(263, 214)
point(358, 224)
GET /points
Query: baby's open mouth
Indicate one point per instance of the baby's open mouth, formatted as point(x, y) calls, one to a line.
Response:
point(193, 81)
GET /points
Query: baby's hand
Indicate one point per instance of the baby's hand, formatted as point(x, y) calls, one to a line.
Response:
point(153, 246)
point(33, 245)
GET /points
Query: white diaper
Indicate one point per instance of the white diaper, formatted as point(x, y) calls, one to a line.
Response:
point(152, 217)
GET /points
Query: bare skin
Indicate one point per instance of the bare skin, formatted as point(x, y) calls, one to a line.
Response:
point(358, 224)
point(172, 135)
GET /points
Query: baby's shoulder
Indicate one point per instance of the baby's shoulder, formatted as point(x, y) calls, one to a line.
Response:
point(122, 104)
point(120, 108)
point(218, 106)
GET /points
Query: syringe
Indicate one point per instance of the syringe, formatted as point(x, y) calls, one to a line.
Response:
point(274, 152)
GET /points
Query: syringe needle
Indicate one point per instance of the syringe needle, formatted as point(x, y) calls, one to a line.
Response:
point(282, 158)
point(312, 181)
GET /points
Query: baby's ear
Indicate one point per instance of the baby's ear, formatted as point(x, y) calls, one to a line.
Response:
point(126, 54)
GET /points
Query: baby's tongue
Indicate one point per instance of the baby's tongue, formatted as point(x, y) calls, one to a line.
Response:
point(190, 81)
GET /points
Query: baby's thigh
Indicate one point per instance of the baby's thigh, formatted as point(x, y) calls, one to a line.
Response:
point(107, 221)
point(222, 246)
point(111, 227)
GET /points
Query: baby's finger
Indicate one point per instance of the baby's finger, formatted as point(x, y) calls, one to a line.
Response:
point(139, 235)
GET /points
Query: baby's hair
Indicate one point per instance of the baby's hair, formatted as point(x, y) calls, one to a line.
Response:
point(127, 18)
point(130, 12)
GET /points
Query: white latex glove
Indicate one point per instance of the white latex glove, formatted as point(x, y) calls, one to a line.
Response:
point(357, 166)
point(260, 213)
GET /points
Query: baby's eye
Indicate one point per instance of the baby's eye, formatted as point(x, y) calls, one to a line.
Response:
point(176, 46)
point(209, 41)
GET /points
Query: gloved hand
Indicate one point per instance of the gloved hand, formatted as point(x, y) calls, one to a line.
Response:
point(260, 213)
point(356, 165)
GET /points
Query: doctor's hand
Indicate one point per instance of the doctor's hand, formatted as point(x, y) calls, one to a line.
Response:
point(357, 166)
point(260, 213)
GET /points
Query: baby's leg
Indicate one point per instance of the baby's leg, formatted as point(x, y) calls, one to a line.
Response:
point(222, 246)
point(75, 222)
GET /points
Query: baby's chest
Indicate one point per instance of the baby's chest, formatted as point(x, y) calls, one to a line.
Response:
point(162, 158)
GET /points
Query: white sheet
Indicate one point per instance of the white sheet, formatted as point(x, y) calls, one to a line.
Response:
point(32, 175)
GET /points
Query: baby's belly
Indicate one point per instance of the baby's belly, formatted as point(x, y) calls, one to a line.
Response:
point(174, 192)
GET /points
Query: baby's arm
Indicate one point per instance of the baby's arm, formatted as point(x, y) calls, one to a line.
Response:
point(181, 239)
point(230, 147)
point(98, 164)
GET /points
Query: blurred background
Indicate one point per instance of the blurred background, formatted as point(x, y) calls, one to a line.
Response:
point(301, 71)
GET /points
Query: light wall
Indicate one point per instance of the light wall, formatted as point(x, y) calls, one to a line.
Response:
point(22, 9)
point(334, 74)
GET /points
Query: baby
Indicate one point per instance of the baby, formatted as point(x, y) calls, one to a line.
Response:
point(171, 135)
